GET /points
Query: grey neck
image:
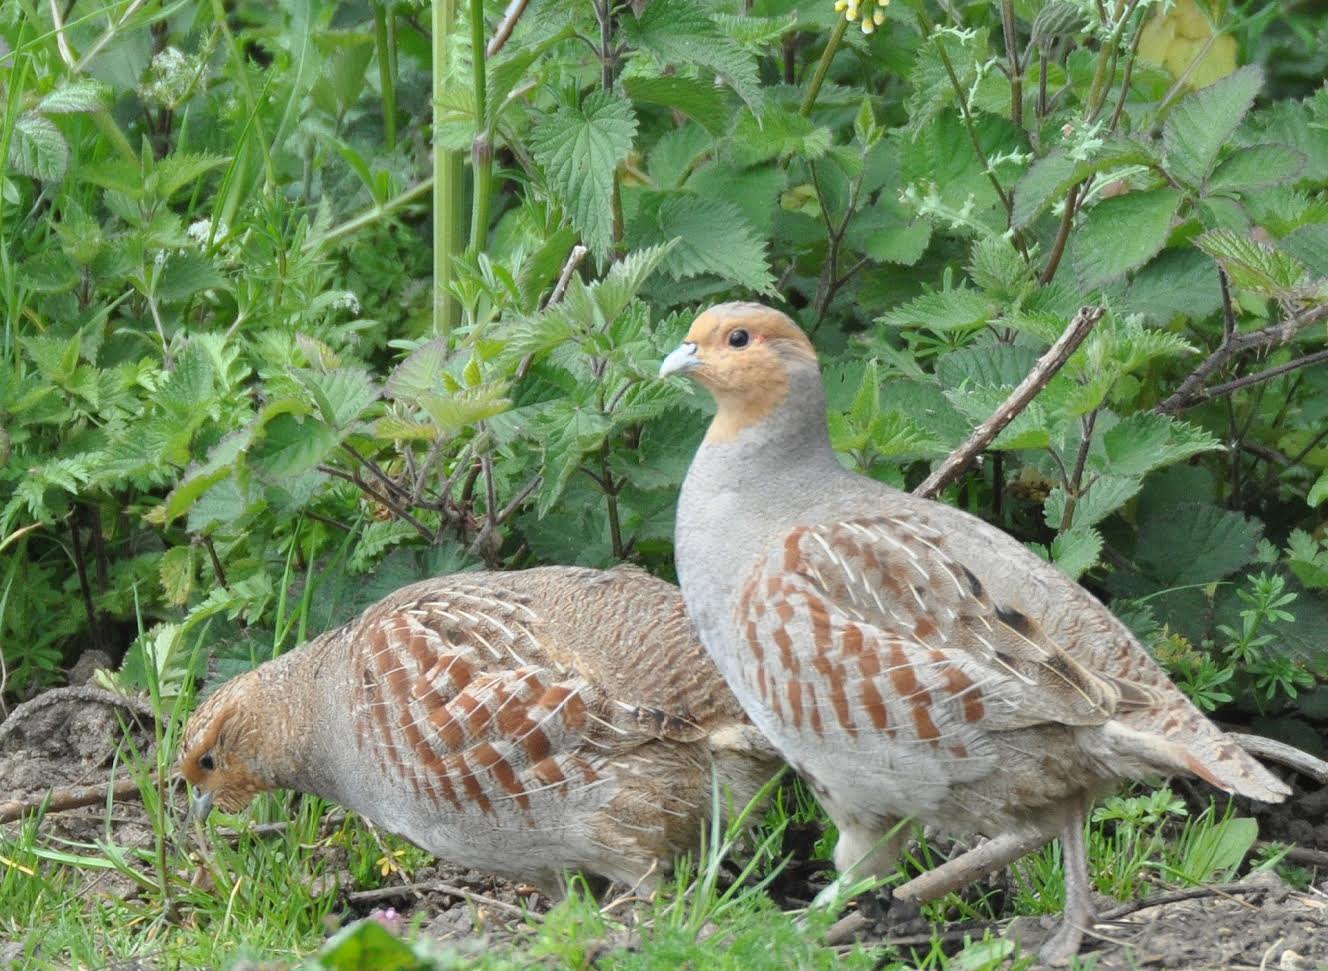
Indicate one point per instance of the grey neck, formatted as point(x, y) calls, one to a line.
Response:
point(789, 447)
point(740, 494)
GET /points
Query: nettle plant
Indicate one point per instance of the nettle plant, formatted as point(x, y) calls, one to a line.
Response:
point(231, 393)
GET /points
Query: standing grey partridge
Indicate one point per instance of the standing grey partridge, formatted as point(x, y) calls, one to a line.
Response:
point(907, 658)
point(525, 724)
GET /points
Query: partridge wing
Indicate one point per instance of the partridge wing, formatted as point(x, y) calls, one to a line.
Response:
point(866, 624)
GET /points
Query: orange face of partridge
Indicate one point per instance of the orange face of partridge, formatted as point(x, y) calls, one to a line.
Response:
point(741, 352)
point(221, 754)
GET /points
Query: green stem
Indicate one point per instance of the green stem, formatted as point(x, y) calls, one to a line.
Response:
point(925, 23)
point(370, 215)
point(447, 178)
point(1106, 64)
point(822, 66)
point(384, 31)
point(481, 151)
point(251, 103)
point(1016, 68)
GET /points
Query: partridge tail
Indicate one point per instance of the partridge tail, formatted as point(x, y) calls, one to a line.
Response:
point(1198, 747)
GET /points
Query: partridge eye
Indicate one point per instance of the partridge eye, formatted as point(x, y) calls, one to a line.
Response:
point(738, 338)
point(207, 763)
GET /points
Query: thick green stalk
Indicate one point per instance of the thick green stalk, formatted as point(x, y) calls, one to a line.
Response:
point(447, 178)
point(481, 152)
point(822, 66)
point(384, 40)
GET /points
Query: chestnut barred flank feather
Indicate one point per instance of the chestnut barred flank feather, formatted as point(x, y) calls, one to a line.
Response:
point(526, 724)
point(908, 658)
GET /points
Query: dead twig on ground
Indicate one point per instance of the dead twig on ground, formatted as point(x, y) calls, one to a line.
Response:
point(1176, 896)
point(60, 800)
point(451, 889)
point(1282, 754)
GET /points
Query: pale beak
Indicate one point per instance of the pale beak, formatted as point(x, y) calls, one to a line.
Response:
point(680, 360)
point(200, 805)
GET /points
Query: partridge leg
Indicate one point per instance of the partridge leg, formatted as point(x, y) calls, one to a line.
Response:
point(1078, 915)
point(863, 852)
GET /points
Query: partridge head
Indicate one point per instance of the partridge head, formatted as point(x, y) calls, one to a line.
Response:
point(527, 724)
point(907, 658)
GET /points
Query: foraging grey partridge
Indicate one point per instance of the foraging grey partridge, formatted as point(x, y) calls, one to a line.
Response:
point(907, 658)
point(525, 724)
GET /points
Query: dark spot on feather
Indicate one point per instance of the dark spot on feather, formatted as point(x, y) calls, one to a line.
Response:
point(974, 583)
point(1014, 619)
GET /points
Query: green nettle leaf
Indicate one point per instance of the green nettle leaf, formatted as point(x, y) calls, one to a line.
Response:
point(1076, 551)
point(342, 395)
point(943, 310)
point(682, 31)
point(418, 373)
point(175, 172)
point(1178, 281)
point(186, 391)
point(81, 95)
point(454, 412)
point(572, 432)
point(1049, 178)
point(1257, 166)
point(886, 234)
point(1001, 365)
point(996, 266)
point(37, 149)
point(1122, 234)
point(1309, 244)
point(696, 98)
point(1251, 265)
point(1144, 441)
point(186, 274)
point(713, 237)
point(290, 446)
point(776, 133)
point(1196, 543)
point(1319, 491)
point(1202, 123)
point(1046, 179)
point(1108, 494)
point(933, 91)
point(48, 271)
point(177, 574)
point(625, 278)
point(579, 148)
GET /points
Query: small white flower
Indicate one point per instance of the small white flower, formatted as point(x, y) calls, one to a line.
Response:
point(346, 300)
point(201, 229)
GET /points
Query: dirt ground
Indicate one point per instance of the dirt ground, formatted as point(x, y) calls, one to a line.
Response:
point(1261, 923)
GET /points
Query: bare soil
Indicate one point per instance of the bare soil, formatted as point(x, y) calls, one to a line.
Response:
point(1261, 924)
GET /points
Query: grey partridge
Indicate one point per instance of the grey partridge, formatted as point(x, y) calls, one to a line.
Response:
point(907, 658)
point(526, 724)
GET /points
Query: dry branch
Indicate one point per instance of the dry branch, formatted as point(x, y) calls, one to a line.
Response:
point(1191, 391)
point(437, 886)
point(1043, 371)
point(505, 26)
point(1194, 893)
point(1282, 754)
point(60, 800)
point(970, 866)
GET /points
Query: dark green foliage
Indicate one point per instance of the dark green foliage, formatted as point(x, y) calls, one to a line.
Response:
point(226, 398)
